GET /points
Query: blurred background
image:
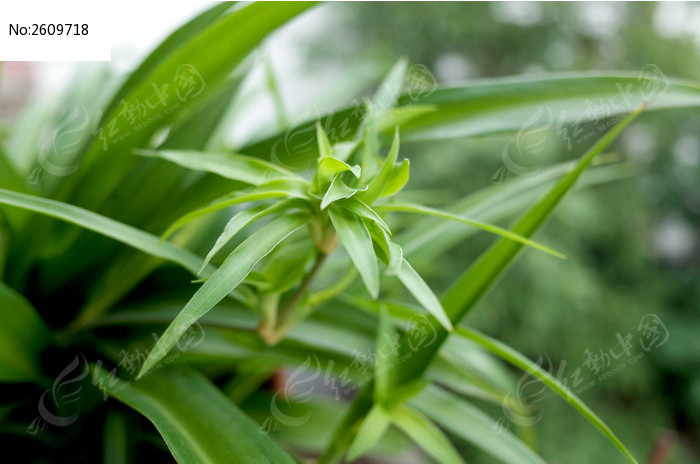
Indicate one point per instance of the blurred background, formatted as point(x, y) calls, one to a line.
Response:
point(632, 243)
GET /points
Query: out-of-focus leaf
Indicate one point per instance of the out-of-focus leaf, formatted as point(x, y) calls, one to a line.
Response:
point(471, 424)
point(519, 360)
point(22, 337)
point(503, 105)
point(242, 168)
point(224, 280)
point(426, 434)
point(419, 209)
point(198, 423)
point(204, 57)
point(386, 95)
point(175, 40)
point(197, 131)
point(276, 94)
point(128, 235)
point(370, 432)
point(11, 180)
point(357, 242)
point(386, 358)
point(115, 440)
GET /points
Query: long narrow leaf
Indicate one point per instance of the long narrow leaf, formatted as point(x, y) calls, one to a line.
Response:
point(128, 235)
point(415, 284)
point(386, 358)
point(419, 209)
point(521, 361)
point(280, 188)
point(370, 432)
point(357, 242)
point(23, 334)
point(241, 220)
point(472, 425)
point(242, 168)
point(198, 423)
point(426, 434)
point(224, 280)
point(472, 285)
point(500, 105)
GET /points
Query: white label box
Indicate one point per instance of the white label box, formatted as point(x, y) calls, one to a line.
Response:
point(58, 30)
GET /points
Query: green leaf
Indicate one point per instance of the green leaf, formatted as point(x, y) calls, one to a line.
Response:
point(224, 280)
point(206, 56)
point(241, 220)
point(128, 235)
point(483, 273)
point(357, 242)
point(282, 188)
point(380, 181)
point(432, 237)
point(202, 128)
point(504, 105)
point(386, 95)
point(23, 335)
point(361, 209)
point(198, 423)
point(415, 284)
point(286, 269)
point(324, 145)
point(230, 165)
point(472, 425)
point(419, 209)
point(398, 179)
point(338, 190)
point(471, 285)
point(115, 439)
point(519, 360)
point(276, 94)
point(370, 144)
point(328, 169)
point(11, 180)
point(389, 252)
point(425, 434)
point(174, 41)
point(386, 356)
point(370, 432)
point(392, 255)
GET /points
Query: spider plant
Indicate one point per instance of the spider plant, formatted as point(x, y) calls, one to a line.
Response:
point(283, 254)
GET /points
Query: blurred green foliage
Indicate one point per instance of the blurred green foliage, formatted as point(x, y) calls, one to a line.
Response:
point(632, 244)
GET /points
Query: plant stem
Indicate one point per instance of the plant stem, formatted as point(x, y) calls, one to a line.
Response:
point(305, 284)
